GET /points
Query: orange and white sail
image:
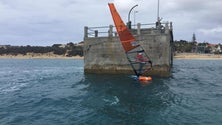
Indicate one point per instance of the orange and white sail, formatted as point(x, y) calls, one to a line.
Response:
point(136, 55)
point(126, 38)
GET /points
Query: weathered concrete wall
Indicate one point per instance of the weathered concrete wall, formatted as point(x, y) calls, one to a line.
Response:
point(106, 54)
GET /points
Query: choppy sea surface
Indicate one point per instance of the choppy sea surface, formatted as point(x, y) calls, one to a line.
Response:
point(57, 92)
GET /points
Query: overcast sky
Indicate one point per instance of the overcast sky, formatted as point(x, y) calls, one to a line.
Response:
point(46, 22)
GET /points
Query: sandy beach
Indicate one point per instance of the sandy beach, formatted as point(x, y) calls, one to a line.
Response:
point(54, 56)
point(197, 56)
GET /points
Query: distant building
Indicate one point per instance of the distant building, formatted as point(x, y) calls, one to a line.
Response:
point(62, 46)
point(215, 48)
point(80, 43)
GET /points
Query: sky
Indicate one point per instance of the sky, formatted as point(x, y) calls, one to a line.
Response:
point(48, 22)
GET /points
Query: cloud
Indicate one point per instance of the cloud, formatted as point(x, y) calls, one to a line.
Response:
point(216, 30)
point(35, 22)
point(210, 34)
point(45, 22)
point(124, 4)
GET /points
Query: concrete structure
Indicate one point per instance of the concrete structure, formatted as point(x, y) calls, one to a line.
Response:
point(103, 52)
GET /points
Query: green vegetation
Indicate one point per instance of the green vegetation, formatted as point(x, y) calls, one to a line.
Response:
point(71, 49)
point(68, 49)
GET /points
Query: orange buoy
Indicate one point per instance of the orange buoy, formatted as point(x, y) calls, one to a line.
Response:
point(145, 78)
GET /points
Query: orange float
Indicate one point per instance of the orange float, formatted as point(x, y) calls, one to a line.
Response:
point(145, 78)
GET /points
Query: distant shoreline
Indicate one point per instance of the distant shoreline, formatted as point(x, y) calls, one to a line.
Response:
point(198, 56)
point(39, 56)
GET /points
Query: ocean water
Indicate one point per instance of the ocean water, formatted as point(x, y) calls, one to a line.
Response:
point(57, 92)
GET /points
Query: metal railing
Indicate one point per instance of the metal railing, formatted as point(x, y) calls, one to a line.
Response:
point(109, 31)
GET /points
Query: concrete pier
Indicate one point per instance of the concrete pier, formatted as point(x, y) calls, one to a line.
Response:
point(103, 52)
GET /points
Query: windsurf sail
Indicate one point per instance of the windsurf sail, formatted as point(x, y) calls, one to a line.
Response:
point(138, 59)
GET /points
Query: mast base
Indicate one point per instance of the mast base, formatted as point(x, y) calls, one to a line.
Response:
point(145, 78)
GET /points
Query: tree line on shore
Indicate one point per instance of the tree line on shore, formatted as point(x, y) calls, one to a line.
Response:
point(69, 49)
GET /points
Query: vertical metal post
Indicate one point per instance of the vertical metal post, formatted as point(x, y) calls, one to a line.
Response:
point(158, 10)
point(171, 26)
point(138, 29)
point(129, 22)
point(135, 18)
point(96, 33)
point(110, 30)
point(85, 32)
